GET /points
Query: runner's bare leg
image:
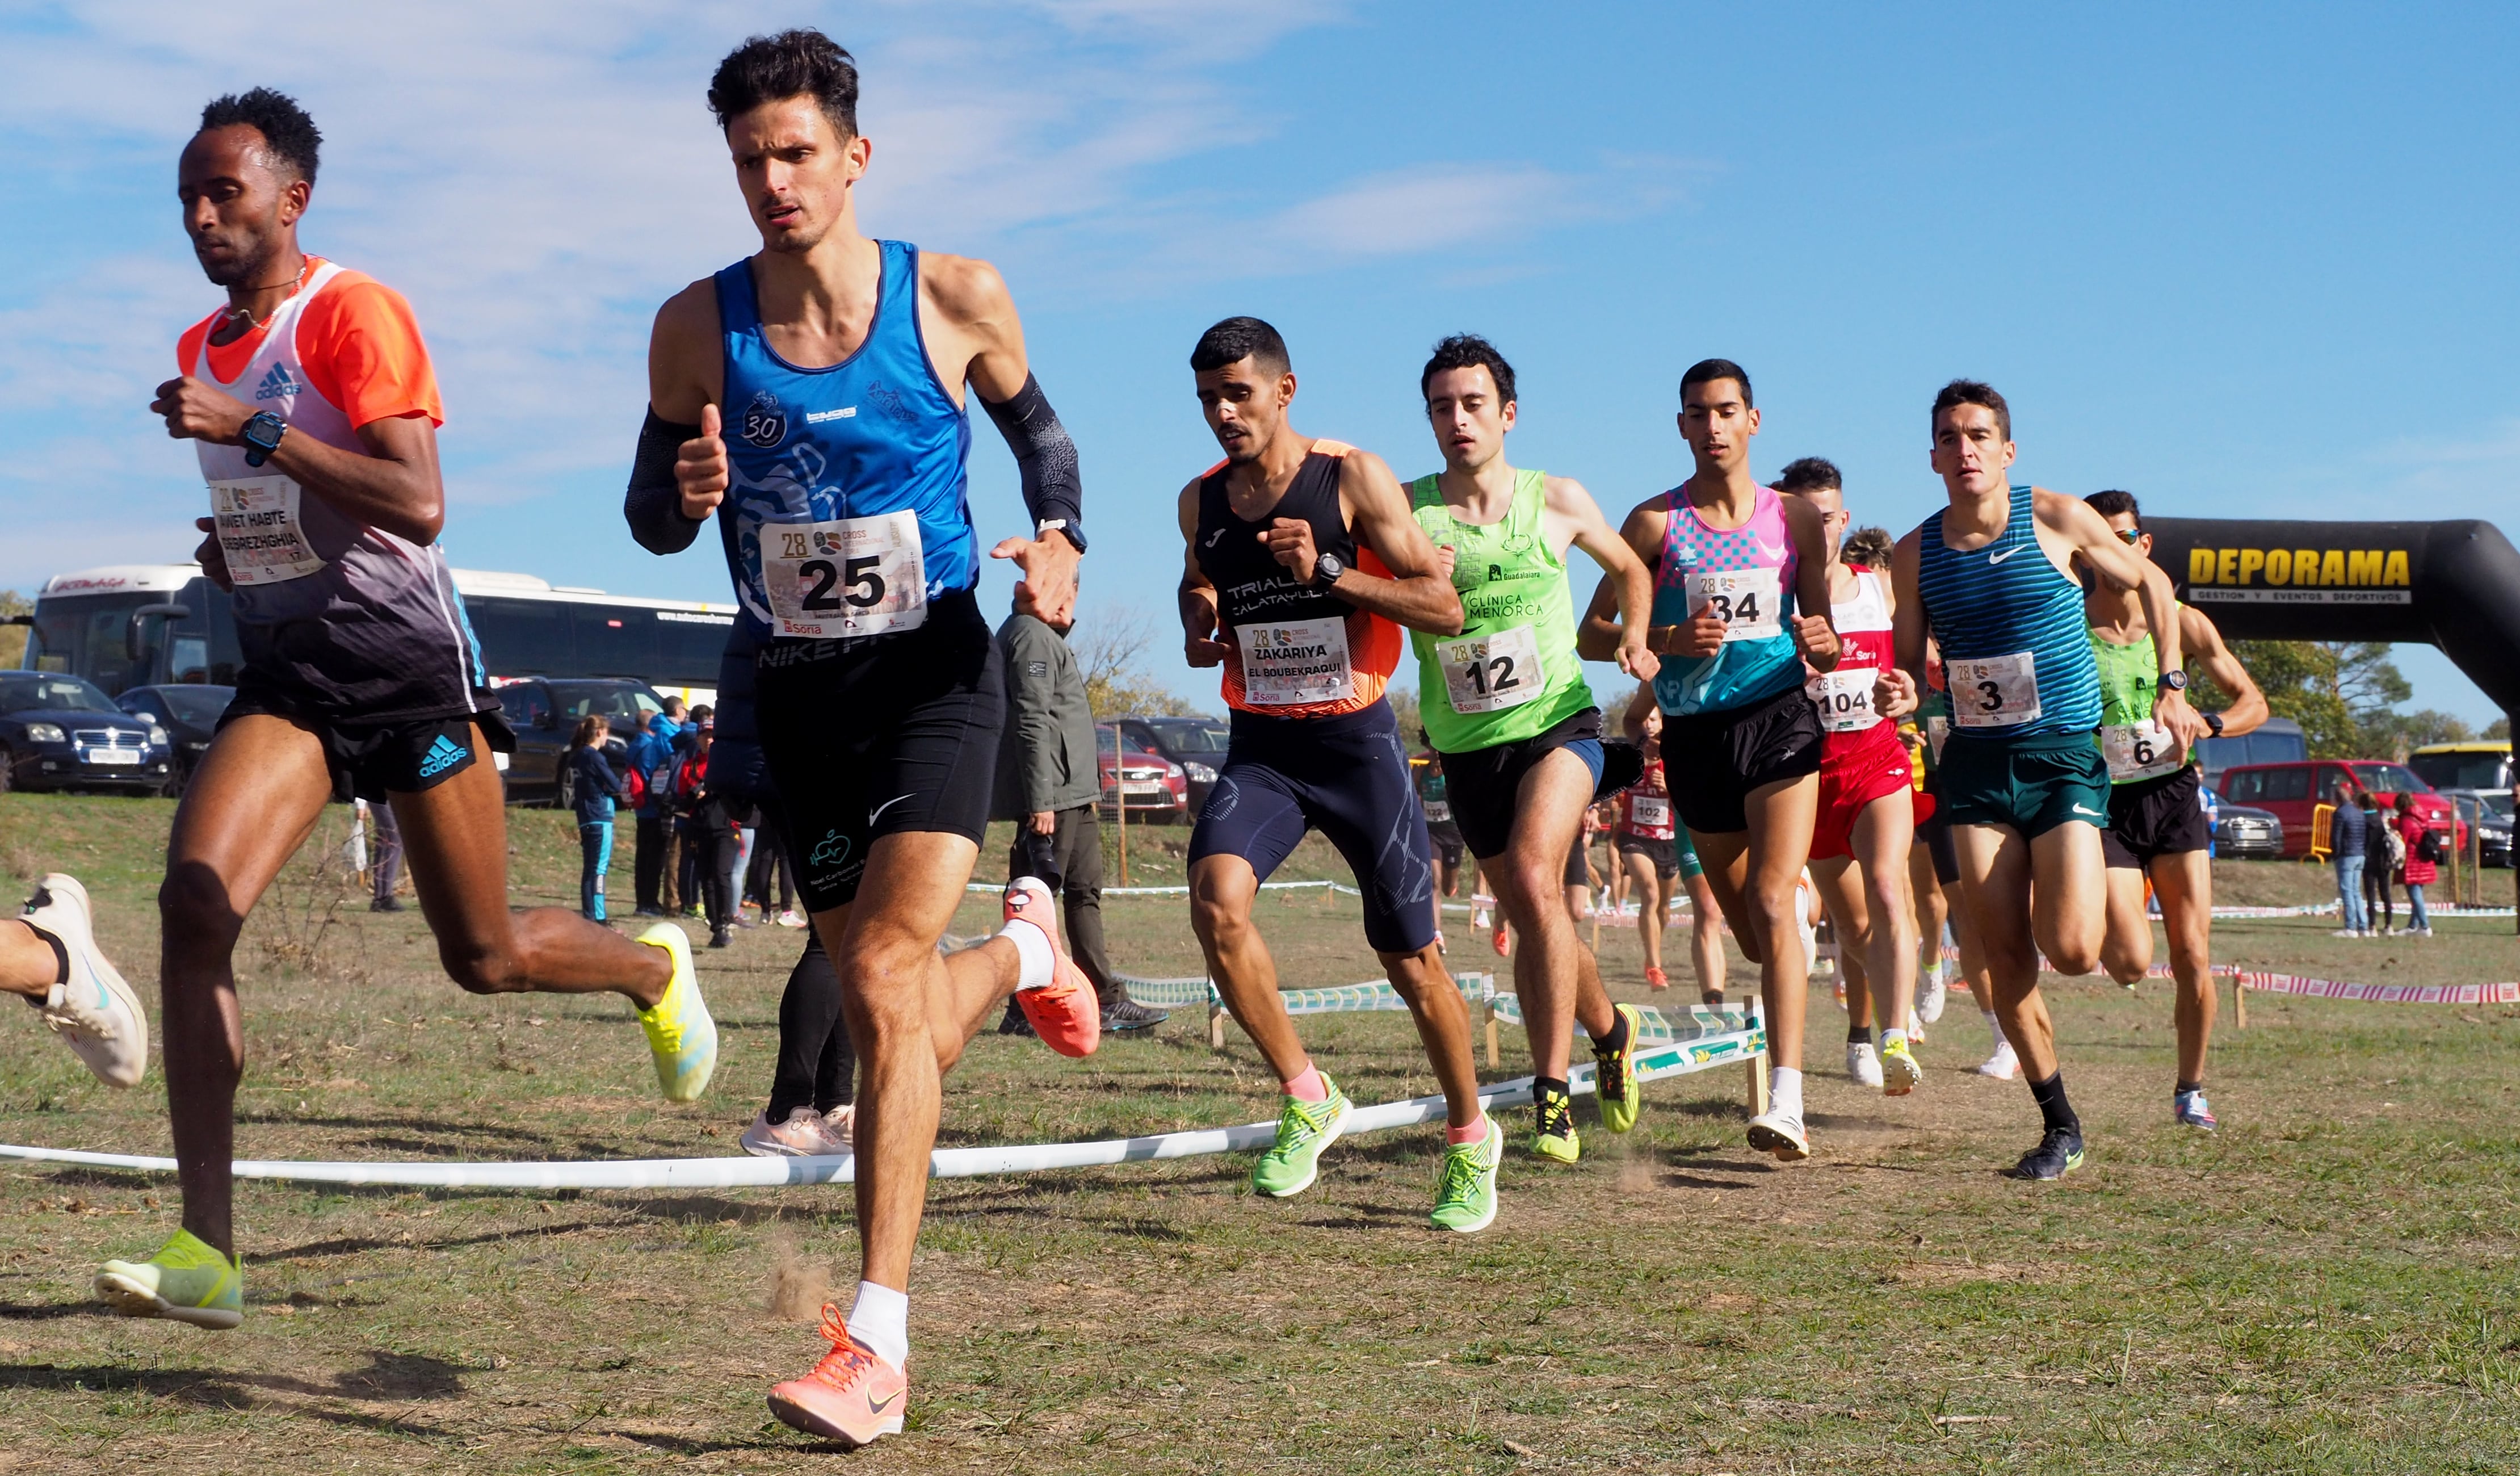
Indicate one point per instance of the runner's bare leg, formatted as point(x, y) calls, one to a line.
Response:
point(1994, 891)
point(2185, 883)
point(1549, 808)
point(1222, 890)
point(1753, 873)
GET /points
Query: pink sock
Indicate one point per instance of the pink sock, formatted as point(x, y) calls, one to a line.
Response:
point(1309, 1087)
point(1455, 1136)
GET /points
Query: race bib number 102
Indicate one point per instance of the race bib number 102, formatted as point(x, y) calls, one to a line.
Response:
point(851, 576)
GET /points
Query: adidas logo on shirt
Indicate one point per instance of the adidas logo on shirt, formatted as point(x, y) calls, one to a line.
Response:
point(279, 382)
point(442, 756)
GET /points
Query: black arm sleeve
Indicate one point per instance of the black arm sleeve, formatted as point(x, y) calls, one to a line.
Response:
point(653, 505)
point(1052, 485)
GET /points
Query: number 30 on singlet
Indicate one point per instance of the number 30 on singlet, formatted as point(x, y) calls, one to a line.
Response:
point(849, 577)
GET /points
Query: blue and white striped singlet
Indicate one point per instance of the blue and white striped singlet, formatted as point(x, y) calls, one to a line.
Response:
point(2010, 598)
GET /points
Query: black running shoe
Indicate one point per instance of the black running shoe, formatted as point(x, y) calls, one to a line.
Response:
point(722, 937)
point(2058, 1154)
point(1130, 1015)
point(1014, 1023)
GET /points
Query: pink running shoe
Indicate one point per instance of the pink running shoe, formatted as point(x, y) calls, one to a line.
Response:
point(1064, 1012)
point(851, 1396)
point(804, 1133)
point(1658, 980)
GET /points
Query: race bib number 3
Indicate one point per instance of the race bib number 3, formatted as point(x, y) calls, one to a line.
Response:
point(1995, 691)
point(1294, 664)
point(852, 576)
point(2140, 750)
point(256, 518)
point(1748, 601)
point(1492, 673)
point(1844, 698)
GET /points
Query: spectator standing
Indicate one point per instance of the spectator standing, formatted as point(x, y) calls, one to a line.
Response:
point(2423, 850)
point(687, 837)
point(598, 790)
point(1047, 783)
point(710, 835)
point(2383, 854)
point(2348, 839)
point(651, 755)
point(385, 868)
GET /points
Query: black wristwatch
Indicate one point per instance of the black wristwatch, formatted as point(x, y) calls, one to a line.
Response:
point(261, 436)
point(2173, 681)
point(1327, 568)
point(2213, 720)
point(1064, 526)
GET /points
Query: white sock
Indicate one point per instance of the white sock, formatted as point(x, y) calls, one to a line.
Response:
point(1889, 1035)
point(1993, 1026)
point(1934, 974)
point(880, 1323)
point(1785, 1091)
point(1033, 951)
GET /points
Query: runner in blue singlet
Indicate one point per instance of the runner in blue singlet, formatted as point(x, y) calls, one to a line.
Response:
point(2022, 778)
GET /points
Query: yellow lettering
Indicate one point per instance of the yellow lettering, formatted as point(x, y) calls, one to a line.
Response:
point(2251, 561)
point(2226, 562)
point(2200, 565)
point(2331, 567)
point(2304, 566)
point(2396, 572)
point(2279, 565)
point(2363, 566)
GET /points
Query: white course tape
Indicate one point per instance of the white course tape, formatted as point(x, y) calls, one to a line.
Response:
point(1653, 1063)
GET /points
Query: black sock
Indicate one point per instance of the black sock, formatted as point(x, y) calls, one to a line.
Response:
point(2057, 1113)
point(2185, 1087)
point(61, 955)
point(1545, 1088)
point(1858, 1035)
point(1616, 1041)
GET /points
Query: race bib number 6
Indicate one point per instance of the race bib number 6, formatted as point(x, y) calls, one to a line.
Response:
point(851, 576)
point(1492, 673)
point(1995, 691)
point(256, 518)
point(1748, 601)
point(2140, 750)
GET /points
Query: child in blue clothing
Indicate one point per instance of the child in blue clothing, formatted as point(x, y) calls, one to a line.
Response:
point(598, 787)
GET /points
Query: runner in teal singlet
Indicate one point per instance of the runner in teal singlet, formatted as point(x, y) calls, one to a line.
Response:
point(1507, 704)
point(2157, 827)
point(2022, 776)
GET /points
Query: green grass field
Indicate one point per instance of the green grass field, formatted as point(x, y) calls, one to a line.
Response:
point(2327, 1285)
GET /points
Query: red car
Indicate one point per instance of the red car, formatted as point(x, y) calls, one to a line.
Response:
point(1148, 784)
point(2293, 789)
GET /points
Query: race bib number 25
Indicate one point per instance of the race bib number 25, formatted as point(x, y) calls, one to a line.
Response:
point(849, 577)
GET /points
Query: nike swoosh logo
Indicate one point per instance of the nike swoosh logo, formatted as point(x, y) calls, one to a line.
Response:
point(878, 1406)
point(2080, 810)
point(1998, 558)
point(877, 813)
point(1765, 552)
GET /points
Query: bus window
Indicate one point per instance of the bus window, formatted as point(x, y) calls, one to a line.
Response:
point(522, 637)
point(614, 640)
point(689, 644)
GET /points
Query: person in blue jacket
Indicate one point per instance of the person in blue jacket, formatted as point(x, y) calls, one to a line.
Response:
point(598, 790)
point(650, 752)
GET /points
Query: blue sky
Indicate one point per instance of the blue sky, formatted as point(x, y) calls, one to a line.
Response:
point(2242, 261)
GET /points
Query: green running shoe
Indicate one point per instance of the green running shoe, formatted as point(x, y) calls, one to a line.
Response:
point(1465, 1186)
point(1555, 1136)
point(186, 1280)
point(1614, 1076)
point(1304, 1129)
point(681, 1035)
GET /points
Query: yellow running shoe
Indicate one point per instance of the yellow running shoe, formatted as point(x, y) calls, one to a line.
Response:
point(680, 1033)
point(187, 1280)
point(1553, 1135)
point(1900, 1072)
point(1614, 1074)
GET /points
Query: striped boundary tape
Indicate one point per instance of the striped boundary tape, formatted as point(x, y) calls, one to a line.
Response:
point(1379, 994)
point(2262, 982)
point(1653, 1063)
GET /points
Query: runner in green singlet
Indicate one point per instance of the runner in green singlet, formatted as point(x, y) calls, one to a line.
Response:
point(1505, 704)
point(2157, 826)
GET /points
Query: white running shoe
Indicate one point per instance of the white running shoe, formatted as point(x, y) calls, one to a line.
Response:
point(791, 918)
point(1931, 992)
point(1915, 1029)
point(841, 1123)
point(94, 1012)
point(805, 1133)
point(2004, 1065)
point(1779, 1132)
point(1863, 1066)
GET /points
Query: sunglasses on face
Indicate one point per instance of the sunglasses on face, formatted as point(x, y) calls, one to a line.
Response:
point(2129, 534)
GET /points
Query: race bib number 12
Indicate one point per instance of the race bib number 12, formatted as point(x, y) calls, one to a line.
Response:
point(1995, 691)
point(1490, 674)
point(851, 576)
point(1748, 601)
point(256, 518)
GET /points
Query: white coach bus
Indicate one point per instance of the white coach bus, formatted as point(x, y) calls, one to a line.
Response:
point(145, 625)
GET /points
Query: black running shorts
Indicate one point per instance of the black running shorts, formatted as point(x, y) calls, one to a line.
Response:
point(1446, 839)
point(1661, 851)
point(879, 736)
point(2157, 816)
point(1345, 776)
point(1713, 761)
point(1485, 785)
point(405, 756)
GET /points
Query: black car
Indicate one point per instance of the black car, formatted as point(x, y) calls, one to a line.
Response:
point(2489, 812)
point(189, 712)
point(2242, 831)
point(60, 732)
point(543, 710)
point(1197, 744)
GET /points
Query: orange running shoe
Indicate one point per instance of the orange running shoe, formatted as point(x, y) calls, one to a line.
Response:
point(851, 1396)
point(1504, 942)
point(1064, 1012)
point(1657, 980)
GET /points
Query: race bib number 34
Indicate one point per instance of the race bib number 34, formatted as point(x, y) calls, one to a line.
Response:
point(1747, 601)
point(1995, 691)
point(2140, 750)
point(256, 518)
point(851, 576)
point(1294, 662)
point(1844, 698)
point(1492, 673)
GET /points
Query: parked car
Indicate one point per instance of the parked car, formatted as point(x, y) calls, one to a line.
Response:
point(2244, 832)
point(1197, 744)
point(2294, 790)
point(2483, 765)
point(544, 711)
point(60, 732)
point(189, 713)
point(2489, 813)
point(1143, 782)
point(2278, 740)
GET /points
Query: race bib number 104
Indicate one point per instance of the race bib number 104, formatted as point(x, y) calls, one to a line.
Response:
point(851, 576)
